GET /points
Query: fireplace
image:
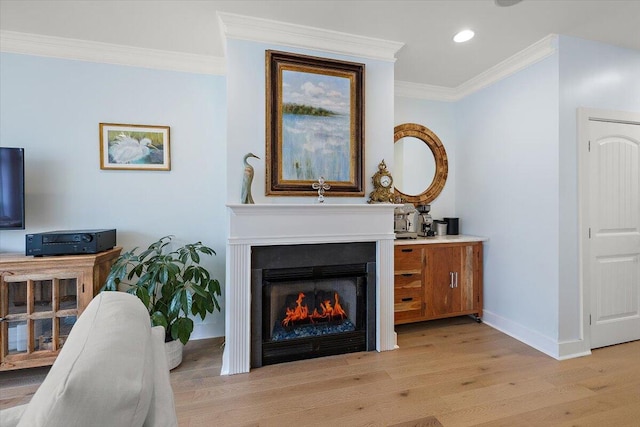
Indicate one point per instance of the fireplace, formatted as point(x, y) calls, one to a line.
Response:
point(312, 301)
point(252, 227)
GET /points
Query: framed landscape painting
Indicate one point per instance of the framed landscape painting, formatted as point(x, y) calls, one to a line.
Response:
point(315, 123)
point(134, 147)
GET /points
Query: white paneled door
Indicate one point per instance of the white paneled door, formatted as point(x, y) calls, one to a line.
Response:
point(614, 228)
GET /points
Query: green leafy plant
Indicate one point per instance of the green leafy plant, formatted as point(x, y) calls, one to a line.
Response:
point(171, 284)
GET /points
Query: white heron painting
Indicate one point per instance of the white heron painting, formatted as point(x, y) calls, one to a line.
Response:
point(134, 147)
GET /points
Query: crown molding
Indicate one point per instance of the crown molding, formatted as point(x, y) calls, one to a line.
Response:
point(84, 50)
point(521, 60)
point(293, 35)
point(74, 49)
point(424, 91)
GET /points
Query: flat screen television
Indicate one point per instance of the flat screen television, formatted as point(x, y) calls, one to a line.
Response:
point(11, 188)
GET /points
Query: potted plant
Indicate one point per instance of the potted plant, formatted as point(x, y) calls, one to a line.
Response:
point(171, 284)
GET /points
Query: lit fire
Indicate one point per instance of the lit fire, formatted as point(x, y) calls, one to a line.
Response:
point(301, 312)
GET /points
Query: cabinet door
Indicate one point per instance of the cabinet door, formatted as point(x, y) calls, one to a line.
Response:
point(442, 295)
point(37, 312)
point(408, 284)
point(453, 280)
point(469, 279)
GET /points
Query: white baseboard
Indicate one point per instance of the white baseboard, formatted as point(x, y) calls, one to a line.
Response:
point(558, 350)
point(573, 349)
point(207, 329)
point(532, 338)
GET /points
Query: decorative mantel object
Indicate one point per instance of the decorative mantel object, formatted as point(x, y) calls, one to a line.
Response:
point(321, 186)
point(382, 185)
point(288, 224)
point(247, 179)
point(315, 124)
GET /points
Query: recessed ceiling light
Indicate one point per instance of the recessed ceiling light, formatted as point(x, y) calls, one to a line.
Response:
point(463, 36)
point(506, 3)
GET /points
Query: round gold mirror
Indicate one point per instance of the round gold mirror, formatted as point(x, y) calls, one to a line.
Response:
point(420, 172)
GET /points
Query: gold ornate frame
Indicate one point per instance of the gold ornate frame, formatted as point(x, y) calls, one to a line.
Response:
point(439, 154)
point(279, 184)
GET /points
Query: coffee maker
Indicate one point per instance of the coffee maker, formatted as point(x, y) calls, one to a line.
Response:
point(425, 222)
point(405, 222)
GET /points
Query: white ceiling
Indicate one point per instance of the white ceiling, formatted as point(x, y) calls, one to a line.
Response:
point(429, 55)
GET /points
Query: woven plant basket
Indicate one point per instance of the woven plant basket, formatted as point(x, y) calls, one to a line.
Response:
point(174, 353)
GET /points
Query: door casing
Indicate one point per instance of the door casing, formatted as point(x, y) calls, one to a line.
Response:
point(584, 116)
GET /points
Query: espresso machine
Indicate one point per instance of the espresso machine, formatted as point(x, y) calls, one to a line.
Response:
point(425, 222)
point(405, 224)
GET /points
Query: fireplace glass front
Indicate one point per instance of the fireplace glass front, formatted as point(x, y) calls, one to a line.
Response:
point(310, 311)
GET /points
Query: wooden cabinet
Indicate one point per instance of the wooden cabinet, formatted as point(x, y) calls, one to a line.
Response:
point(40, 300)
point(437, 280)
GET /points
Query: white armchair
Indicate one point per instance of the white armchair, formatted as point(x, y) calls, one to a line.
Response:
point(112, 371)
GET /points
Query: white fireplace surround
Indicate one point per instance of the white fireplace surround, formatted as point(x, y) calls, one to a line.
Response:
point(290, 224)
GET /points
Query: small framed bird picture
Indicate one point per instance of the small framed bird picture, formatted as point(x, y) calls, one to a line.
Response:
point(134, 147)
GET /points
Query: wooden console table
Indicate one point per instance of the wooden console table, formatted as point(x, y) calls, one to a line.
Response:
point(40, 300)
point(437, 278)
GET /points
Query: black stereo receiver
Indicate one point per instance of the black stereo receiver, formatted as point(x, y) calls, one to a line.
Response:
point(70, 242)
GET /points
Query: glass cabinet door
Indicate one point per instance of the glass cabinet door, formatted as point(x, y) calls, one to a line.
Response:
point(14, 314)
point(40, 300)
point(37, 315)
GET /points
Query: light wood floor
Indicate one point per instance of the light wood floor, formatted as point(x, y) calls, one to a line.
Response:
point(452, 372)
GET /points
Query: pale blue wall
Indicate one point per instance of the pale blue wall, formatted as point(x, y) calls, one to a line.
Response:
point(511, 148)
point(516, 179)
point(507, 190)
point(592, 75)
point(52, 108)
point(246, 117)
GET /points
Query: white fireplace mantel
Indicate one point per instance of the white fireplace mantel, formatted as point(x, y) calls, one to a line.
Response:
point(287, 224)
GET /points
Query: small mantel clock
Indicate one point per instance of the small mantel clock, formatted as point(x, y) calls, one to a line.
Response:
point(382, 185)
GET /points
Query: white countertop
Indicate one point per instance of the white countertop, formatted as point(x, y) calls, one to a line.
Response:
point(459, 238)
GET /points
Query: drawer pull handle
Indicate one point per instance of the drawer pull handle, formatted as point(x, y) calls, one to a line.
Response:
point(407, 250)
point(407, 274)
point(407, 299)
point(453, 279)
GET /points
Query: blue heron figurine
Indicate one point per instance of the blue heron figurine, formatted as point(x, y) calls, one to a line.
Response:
point(247, 179)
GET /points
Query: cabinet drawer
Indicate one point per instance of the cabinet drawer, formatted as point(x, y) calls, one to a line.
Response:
point(407, 299)
point(407, 305)
point(407, 258)
point(408, 280)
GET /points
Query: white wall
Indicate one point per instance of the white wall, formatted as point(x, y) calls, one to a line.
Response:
point(440, 118)
point(52, 108)
point(507, 190)
point(246, 118)
point(592, 75)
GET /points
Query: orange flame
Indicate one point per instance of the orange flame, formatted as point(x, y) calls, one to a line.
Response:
point(301, 312)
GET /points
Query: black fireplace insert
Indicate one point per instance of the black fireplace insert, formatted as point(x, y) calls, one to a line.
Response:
point(312, 301)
